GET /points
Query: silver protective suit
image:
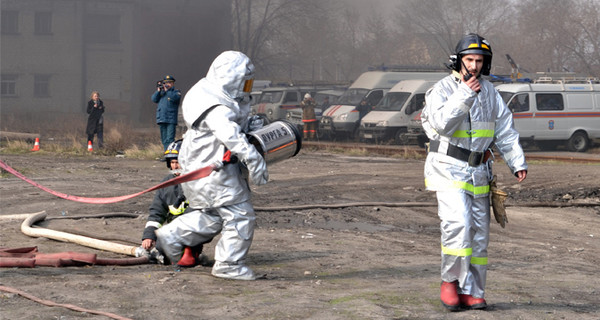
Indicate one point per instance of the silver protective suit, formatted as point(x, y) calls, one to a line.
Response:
point(456, 115)
point(216, 112)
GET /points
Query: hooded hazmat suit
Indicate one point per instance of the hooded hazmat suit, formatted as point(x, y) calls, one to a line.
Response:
point(456, 116)
point(216, 112)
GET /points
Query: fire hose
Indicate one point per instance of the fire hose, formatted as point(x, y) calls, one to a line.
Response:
point(197, 174)
point(26, 228)
point(29, 257)
point(63, 305)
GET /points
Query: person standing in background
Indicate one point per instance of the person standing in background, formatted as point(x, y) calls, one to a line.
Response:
point(309, 119)
point(95, 125)
point(167, 98)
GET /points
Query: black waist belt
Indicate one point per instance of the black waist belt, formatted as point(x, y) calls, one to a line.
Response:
point(474, 158)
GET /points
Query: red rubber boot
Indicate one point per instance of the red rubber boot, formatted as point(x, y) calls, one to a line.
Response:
point(470, 302)
point(449, 295)
point(188, 259)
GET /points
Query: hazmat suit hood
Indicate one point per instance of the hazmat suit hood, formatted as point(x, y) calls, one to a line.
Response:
point(223, 85)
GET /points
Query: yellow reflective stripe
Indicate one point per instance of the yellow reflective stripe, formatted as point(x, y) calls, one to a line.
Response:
point(177, 211)
point(476, 45)
point(464, 252)
point(459, 185)
point(477, 133)
point(482, 261)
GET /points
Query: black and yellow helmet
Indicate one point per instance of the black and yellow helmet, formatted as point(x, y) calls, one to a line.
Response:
point(473, 43)
point(172, 152)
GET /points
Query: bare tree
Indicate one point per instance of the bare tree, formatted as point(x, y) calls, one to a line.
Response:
point(333, 40)
point(433, 27)
point(448, 20)
point(584, 34)
point(264, 29)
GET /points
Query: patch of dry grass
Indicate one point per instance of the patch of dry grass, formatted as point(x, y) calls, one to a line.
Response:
point(119, 138)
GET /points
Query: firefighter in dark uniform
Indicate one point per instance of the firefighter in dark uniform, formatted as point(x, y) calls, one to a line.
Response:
point(167, 205)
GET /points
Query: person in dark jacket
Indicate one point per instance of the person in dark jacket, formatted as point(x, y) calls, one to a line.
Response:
point(167, 98)
point(168, 204)
point(95, 125)
point(363, 108)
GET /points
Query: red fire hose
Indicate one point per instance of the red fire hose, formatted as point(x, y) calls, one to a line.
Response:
point(197, 174)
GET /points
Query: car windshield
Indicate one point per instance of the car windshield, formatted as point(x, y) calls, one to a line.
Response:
point(506, 96)
point(270, 96)
point(393, 101)
point(352, 96)
point(319, 97)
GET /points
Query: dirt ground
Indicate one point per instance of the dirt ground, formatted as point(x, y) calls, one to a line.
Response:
point(358, 262)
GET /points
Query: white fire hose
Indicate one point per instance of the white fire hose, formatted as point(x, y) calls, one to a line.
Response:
point(26, 228)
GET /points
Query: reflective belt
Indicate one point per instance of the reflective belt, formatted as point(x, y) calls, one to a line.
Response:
point(465, 252)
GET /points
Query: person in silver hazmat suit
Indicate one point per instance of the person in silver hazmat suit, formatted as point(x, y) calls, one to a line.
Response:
point(216, 111)
point(464, 115)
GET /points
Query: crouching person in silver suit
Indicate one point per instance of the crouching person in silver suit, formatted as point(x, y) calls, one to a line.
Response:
point(216, 111)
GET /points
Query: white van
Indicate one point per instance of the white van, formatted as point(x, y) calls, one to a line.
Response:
point(550, 111)
point(342, 119)
point(274, 102)
point(389, 119)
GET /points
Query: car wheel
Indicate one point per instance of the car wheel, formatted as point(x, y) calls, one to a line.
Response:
point(400, 137)
point(578, 142)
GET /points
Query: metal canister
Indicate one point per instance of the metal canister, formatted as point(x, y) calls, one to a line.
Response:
point(276, 141)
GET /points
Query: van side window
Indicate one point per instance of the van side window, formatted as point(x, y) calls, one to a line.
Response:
point(519, 103)
point(549, 101)
point(291, 97)
point(416, 103)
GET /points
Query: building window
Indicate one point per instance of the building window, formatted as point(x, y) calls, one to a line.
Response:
point(41, 85)
point(103, 28)
point(10, 22)
point(43, 23)
point(8, 86)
